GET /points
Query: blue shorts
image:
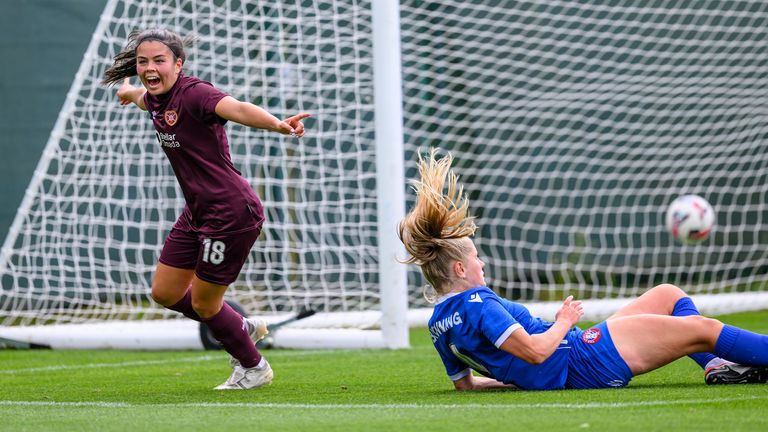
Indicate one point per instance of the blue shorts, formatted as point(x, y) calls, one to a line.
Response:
point(593, 360)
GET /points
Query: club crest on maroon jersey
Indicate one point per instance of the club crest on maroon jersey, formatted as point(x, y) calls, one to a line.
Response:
point(171, 117)
point(591, 336)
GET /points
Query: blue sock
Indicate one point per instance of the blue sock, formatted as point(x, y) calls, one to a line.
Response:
point(742, 346)
point(685, 307)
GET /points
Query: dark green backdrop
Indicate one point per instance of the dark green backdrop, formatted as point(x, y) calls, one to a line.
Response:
point(42, 43)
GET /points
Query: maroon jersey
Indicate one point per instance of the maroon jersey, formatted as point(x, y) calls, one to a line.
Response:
point(218, 198)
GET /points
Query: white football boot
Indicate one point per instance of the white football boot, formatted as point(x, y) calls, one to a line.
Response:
point(248, 378)
point(257, 328)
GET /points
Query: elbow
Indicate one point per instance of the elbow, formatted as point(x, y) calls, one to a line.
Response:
point(464, 384)
point(535, 360)
point(536, 357)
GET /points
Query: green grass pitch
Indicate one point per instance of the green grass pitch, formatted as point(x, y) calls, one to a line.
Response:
point(399, 390)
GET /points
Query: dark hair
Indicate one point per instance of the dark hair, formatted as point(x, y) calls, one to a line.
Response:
point(124, 65)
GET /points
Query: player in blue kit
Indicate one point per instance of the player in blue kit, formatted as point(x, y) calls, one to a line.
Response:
point(210, 241)
point(474, 329)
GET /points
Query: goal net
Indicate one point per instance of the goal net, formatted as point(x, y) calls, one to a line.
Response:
point(573, 125)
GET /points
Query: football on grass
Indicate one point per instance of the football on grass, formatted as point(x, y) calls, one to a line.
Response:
point(690, 219)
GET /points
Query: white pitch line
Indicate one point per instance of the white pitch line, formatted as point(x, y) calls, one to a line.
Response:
point(54, 368)
point(473, 406)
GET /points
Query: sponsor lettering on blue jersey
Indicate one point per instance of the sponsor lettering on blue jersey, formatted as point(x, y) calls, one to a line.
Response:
point(443, 325)
point(468, 328)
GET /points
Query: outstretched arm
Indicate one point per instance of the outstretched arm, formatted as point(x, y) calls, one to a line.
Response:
point(535, 349)
point(130, 94)
point(248, 114)
point(470, 382)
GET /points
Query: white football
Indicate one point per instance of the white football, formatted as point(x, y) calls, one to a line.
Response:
point(690, 219)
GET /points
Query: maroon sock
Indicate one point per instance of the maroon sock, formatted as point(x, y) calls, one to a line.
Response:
point(185, 306)
point(228, 327)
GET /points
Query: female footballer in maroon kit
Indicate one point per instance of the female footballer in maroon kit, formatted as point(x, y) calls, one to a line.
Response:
point(212, 238)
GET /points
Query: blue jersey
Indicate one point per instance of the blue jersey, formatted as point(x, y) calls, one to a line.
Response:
point(469, 327)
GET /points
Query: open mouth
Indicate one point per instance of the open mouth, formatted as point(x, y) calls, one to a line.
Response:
point(153, 82)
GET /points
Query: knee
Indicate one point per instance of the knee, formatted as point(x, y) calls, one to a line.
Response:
point(668, 295)
point(671, 291)
point(166, 297)
point(205, 309)
point(707, 328)
point(161, 296)
point(712, 325)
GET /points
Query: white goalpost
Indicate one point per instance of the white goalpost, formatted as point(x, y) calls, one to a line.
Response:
point(573, 126)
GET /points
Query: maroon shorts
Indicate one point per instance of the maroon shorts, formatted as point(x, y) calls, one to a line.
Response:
point(216, 258)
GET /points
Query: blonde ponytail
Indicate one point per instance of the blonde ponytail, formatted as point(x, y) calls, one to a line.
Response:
point(433, 232)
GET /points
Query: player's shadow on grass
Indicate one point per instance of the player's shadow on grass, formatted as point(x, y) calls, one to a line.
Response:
point(681, 385)
point(630, 388)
